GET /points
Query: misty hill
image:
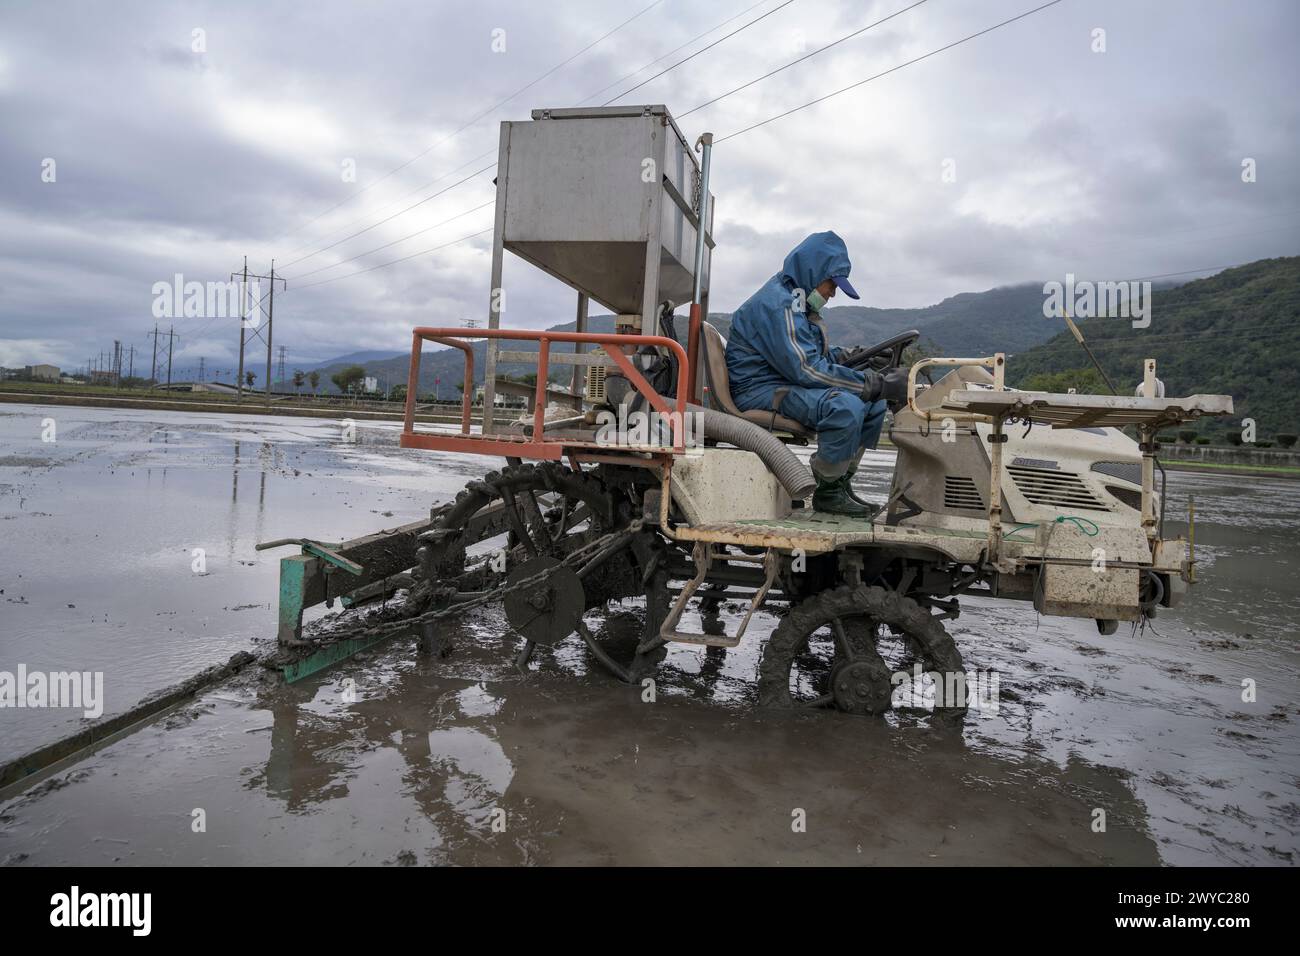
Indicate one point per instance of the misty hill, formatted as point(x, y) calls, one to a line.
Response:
point(1236, 333)
point(352, 358)
point(1008, 319)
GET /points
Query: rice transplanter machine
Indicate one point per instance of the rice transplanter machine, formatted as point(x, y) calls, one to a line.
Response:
point(632, 476)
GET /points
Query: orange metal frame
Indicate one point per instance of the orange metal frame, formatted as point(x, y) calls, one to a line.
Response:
point(538, 445)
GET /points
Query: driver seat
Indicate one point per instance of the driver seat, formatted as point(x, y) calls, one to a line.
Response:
point(715, 369)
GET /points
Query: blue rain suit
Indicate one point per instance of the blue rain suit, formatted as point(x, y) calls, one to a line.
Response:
point(778, 356)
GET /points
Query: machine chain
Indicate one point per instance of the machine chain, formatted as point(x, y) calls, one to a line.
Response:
point(593, 548)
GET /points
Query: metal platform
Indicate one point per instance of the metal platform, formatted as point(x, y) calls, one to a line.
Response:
point(815, 533)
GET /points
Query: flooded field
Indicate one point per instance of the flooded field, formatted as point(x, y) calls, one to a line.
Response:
point(128, 549)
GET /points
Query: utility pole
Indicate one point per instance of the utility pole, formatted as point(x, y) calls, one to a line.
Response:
point(201, 360)
point(153, 367)
point(270, 324)
point(281, 366)
point(270, 313)
point(243, 318)
point(130, 369)
point(171, 338)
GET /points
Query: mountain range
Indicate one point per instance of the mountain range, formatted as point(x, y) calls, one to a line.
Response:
point(972, 323)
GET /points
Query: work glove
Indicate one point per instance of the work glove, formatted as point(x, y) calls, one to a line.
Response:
point(894, 387)
point(872, 386)
point(848, 357)
point(890, 385)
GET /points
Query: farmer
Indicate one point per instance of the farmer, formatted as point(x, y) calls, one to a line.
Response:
point(779, 359)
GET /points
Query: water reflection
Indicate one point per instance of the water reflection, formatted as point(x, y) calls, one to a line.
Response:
point(584, 771)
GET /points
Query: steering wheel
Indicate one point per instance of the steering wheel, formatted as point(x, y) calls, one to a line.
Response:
point(883, 355)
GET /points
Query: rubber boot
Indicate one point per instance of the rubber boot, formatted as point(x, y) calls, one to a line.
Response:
point(848, 484)
point(832, 497)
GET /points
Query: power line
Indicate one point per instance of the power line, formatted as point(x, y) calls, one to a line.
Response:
point(360, 255)
point(491, 151)
point(483, 232)
point(677, 49)
point(705, 49)
point(806, 56)
point(1188, 272)
point(460, 182)
point(1189, 312)
point(656, 76)
point(1212, 311)
point(399, 212)
point(394, 215)
point(393, 262)
point(491, 166)
point(420, 188)
point(480, 116)
point(893, 69)
point(1210, 308)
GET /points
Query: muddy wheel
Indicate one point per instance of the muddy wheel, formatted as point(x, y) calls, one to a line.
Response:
point(827, 652)
point(528, 512)
point(637, 571)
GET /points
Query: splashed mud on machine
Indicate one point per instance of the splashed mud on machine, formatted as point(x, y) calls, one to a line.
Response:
point(1015, 495)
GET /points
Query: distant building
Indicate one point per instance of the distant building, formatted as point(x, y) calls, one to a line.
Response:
point(41, 373)
point(220, 387)
point(101, 376)
point(500, 398)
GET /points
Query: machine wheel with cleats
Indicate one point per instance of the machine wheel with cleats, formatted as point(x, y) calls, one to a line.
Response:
point(827, 652)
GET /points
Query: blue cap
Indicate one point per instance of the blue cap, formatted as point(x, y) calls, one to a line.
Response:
point(843, 283)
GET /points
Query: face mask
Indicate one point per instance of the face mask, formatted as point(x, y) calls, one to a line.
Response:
point(816, 300)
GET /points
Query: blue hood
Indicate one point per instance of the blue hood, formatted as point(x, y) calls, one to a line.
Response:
point(816, 259)
point(773, 345)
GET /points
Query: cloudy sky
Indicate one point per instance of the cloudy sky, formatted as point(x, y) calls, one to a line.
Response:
point(176, 151)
